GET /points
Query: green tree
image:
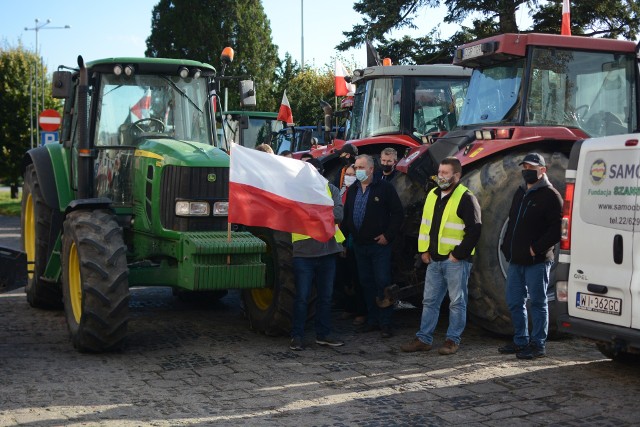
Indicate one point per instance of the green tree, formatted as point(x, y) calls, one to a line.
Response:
point(604, 18)
point(200, 29)
point(16, 65)
point(306, 90)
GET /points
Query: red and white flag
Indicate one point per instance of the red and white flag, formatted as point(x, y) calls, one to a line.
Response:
point(285, 114)
point(342, 87)
point(279, 193)
point(566, 19)
point(142, 107)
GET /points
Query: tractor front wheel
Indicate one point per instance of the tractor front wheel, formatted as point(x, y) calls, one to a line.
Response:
point(95, 280)
point(270, 309)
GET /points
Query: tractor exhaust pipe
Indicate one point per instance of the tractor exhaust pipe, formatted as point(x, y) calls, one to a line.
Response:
point(85, 155)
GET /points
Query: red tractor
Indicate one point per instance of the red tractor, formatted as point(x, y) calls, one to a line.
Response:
point(528, 92)
point(401, 107)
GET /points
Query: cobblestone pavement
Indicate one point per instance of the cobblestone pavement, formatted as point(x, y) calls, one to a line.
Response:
point(197, 364)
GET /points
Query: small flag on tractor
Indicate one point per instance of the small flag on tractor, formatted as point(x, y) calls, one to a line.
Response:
point(285, 114)
point(566, 19)
point(342, 87)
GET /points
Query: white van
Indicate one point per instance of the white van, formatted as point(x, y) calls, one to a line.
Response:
point(598, 274)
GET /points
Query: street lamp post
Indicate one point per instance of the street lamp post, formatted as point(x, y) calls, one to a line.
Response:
point(40, 26)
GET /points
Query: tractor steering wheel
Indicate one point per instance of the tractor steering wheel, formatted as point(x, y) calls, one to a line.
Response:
point(152, 125)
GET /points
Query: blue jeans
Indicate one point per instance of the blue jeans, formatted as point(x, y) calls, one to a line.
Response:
point(374, 269)
point(534, 279)
point(443, 276)
point(306, 270)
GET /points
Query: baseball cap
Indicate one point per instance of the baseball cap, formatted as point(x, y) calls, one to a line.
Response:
point(534, 159)
point(349, 149)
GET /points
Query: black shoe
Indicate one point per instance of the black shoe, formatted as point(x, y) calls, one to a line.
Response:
point(368, 328)
point(296, 344)
point(532, 351)
point(386, 332)
point(329, 341)
point(511, 348)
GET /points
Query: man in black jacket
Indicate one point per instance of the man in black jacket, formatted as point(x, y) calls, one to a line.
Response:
point(373, 216)
point(534, 227)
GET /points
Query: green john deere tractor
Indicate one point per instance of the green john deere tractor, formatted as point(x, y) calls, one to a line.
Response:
point(136, 194)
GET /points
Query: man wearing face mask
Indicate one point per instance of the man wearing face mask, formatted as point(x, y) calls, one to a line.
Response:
point(533, 230)
point(449, 232)
point(373, 216)
point(347, 157)
point(388, 160)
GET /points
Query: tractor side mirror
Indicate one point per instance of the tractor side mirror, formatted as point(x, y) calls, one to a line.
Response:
point(247, 94)
point(61, 85)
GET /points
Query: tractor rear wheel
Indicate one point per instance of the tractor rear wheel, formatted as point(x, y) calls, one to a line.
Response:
point(95, 280)
point(36, 221)
point(494, 185)
point(270, 309)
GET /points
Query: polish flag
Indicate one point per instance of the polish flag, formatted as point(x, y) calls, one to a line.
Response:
point(285, 114)
point(342, 87)
point(279, 193)
point(142, 107)
point(566, 19)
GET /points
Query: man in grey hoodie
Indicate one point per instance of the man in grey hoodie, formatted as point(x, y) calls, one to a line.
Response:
point(316, 261)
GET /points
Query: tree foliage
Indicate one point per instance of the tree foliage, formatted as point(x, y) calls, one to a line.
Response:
point(305, 91)
point(200, 29)
point(16, 65)
point(602, 18)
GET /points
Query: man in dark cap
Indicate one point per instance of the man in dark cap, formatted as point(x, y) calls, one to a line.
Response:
point(533, 230)
point(347, 158)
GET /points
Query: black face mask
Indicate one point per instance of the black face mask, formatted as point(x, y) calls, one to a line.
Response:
point(345, 160)
point(387, 168)
point(530, 175)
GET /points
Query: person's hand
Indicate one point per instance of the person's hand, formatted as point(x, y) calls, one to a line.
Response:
point(452, 258)
point(426, 257)
point(531, 251)
point(381, 240)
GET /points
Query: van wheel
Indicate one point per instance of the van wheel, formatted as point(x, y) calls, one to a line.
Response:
point(608, 350)
point(95, 281)
point(36, 221)
point(270, 309)
point(494, 185)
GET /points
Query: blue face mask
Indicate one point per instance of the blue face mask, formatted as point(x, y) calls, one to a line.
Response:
point(361, 175)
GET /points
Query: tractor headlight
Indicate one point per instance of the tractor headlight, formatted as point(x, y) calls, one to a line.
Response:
point(188, 208)
point(220, 208)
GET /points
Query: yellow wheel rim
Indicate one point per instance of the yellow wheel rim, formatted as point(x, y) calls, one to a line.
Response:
point(75, 286)
point(263, 298)
point(30, 234)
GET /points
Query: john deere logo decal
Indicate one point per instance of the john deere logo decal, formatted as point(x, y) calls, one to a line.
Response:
point(211, 177)
point(598, 171)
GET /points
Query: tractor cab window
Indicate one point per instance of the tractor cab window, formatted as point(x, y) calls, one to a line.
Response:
point(493, 95)
point(376, 109)
point(151, 106)
point(593, 91)
point(437, 104)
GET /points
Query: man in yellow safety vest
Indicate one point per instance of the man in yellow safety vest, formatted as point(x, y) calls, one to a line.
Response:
point(449, 232)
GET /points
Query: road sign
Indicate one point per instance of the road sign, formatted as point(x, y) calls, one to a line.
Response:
point(49, 120)
point(48, 137)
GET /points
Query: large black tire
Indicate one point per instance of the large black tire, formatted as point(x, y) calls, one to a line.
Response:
point(494, 185)
point(38, 240)
point(95, 281)
point(270, 309)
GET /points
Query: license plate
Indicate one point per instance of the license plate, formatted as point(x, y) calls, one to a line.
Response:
point(599, 303)
point(472, 51)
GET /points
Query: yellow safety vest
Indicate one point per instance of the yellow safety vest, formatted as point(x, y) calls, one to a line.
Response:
point(451, 230)
point(338, 235)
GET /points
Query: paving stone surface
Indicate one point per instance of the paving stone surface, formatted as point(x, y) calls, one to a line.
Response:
point(200, 365)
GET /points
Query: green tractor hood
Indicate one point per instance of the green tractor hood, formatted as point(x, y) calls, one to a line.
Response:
point(183, 153)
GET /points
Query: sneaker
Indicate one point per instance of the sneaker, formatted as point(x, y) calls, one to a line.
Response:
point(415, 345)
point(449, 347)
point(532, 351)
point(511, 348)
point(386, 332)
point(329, 341)
point(296, 344)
